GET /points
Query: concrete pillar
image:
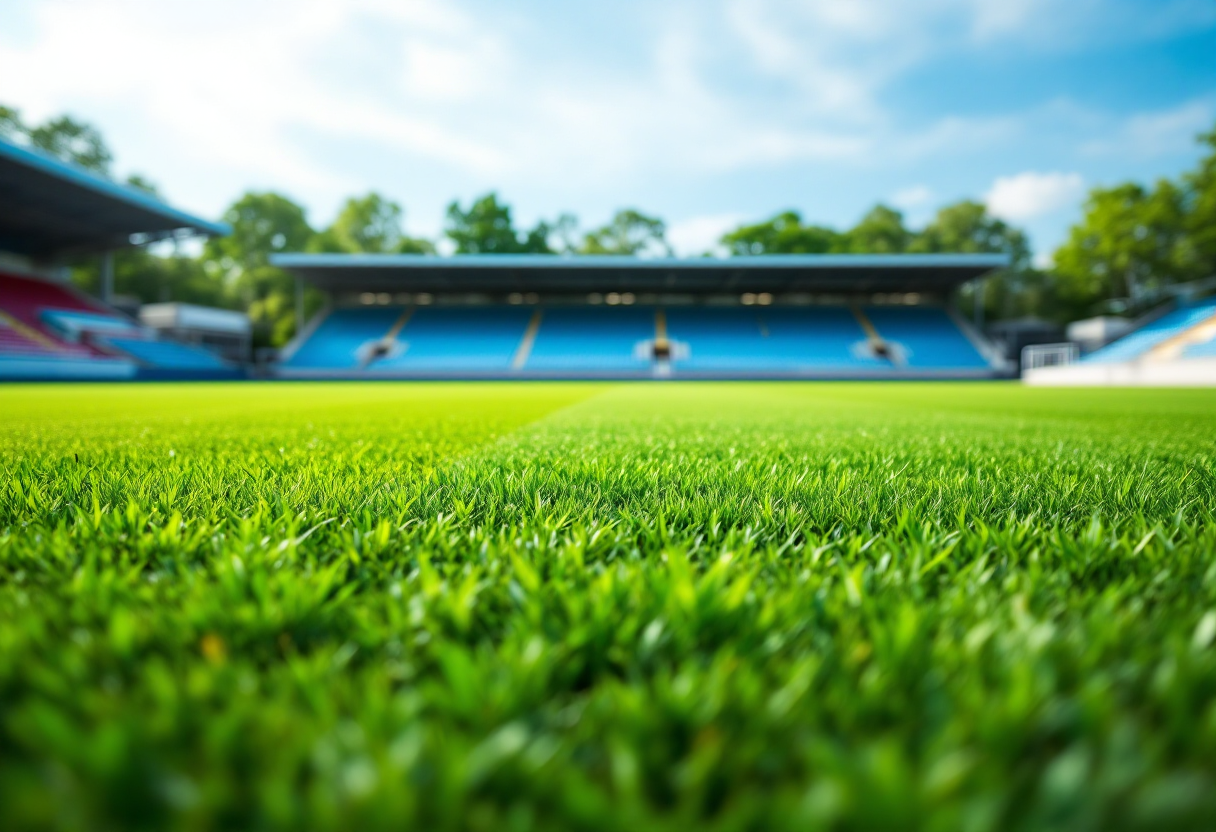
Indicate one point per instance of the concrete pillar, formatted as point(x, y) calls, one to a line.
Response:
point(107, 277)
point(978, 311)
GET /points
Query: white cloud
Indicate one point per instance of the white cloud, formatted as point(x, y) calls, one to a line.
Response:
point(233, 96)
point(695, 236)
point(321, 98)
point(1028, 195)
point(912, 198)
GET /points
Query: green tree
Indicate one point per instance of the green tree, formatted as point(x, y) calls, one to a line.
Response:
point(630, 232)
point(564, 230)
point(262, 224)
point(967, 227)
point(369, 225)
point(1197, 254)
point(881, 231)
point(73, 141)
point(487, 228)
point(153, 278)
point(784, 233)
point(11, 127)
point(141, 183)
point(1127, 245)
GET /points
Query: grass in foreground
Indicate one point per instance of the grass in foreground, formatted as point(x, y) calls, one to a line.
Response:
point(569, 606)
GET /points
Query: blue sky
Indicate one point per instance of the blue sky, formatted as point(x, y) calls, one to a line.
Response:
point(705, 112)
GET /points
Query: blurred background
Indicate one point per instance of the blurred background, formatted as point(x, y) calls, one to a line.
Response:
point(1066, 134)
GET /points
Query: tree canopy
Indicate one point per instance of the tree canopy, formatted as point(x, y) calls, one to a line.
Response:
point(487, 228)
point(881, 231)
point(629, 232)
point(74, 141)
point(784, 233)
point(967, 227)
point(370, 224)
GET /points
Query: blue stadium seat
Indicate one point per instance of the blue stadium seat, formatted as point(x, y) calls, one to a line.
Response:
point(928, 336)
point(334, 345)
point(168, 355)
point(1136, 344)
point(459, 339)
point(616, 339)
point(776, 339)
point(593, 339)
point(1205, 349)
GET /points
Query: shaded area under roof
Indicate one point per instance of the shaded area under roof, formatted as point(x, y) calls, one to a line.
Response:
point(50, 208)
point(505, 273)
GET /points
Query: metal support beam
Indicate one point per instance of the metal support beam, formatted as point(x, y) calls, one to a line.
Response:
point(299, 306)
point(107, 277)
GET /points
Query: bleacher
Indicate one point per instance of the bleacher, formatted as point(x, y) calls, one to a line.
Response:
point(440, 340)
point(166, 355)
point(1205, 349)
point(26, 302)
point(636, 341)
point(30, 348)
point(771, 339)
point(49, 330)
point(53, 211)
point(1157, 333)
point(14, 343)
point(342, 338)
point(928, 338)
point(592, 340)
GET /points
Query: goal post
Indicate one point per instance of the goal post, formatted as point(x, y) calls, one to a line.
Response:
point(1035, 356)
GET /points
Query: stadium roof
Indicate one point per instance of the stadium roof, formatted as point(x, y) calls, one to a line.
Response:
point(498, 273)
point(49, 207)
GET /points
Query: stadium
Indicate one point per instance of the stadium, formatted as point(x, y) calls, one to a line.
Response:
point(876, 317)
point(610, 317)
point(526, 541)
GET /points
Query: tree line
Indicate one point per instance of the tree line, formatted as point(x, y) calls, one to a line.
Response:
point(1132, 243)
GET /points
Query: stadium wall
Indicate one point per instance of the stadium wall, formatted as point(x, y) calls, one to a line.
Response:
point(1190, 372)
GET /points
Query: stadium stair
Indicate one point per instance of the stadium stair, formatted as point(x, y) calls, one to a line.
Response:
point(926, 337)
point(593, 340)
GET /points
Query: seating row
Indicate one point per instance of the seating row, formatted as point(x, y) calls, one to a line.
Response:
point(633, 339)
point(48, 329)
point(1157, 333)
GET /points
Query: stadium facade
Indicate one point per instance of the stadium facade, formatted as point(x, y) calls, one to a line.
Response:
point(545, 316)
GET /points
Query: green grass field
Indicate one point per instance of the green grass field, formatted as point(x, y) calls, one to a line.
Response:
point(607, 606)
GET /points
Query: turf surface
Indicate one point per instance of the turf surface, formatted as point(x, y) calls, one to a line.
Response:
point(581, 606)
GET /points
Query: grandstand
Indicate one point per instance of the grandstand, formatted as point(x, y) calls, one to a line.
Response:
point(50, 212)
point(1174, 345)
point(527, 316)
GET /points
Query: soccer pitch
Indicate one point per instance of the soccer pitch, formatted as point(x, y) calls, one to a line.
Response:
point(607, 606)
